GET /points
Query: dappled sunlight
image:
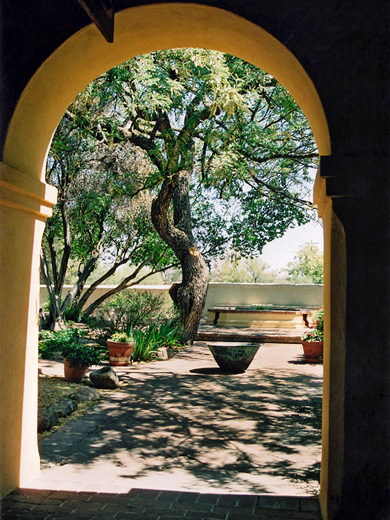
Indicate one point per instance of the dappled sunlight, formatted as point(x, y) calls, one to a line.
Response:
point(254, 432)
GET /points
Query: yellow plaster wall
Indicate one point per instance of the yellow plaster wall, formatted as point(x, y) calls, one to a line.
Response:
point(334, 353)
point(24, 205)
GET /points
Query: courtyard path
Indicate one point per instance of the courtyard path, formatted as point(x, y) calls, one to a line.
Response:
point(183, 425)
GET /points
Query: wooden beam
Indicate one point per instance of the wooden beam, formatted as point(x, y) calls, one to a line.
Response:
point(101, 13)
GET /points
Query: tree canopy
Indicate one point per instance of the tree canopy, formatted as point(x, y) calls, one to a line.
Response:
point(307, 266)
point(247, 145)
point(95, 221)
point(229, 154)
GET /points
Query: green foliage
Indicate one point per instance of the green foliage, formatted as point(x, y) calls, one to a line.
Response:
point(141, 125)
point(149, 339)
point(78, 354)
point(72, 314)
point(318, 319)
point(238, 130)
point(51, 343)
point(169, 334)
point(127, 310)
point(244, 270)
point(307, 266)
point(145, 344)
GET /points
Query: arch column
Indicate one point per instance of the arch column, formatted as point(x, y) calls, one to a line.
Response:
point(356, 425)
point(25, 203)
point(334, 351)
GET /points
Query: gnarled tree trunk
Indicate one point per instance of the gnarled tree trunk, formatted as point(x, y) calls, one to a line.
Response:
point(190, 294)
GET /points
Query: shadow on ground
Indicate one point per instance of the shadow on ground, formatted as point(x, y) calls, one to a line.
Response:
point(217, 427)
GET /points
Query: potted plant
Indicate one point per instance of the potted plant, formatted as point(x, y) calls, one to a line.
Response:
point(77, 359)
point(313, 339)
point(120, 347)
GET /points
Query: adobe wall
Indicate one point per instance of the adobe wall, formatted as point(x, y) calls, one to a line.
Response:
point(220, 294)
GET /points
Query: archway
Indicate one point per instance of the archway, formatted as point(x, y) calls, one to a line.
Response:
point(27, 199)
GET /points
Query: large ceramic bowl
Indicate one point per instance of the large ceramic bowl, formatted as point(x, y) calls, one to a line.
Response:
point(233, 357)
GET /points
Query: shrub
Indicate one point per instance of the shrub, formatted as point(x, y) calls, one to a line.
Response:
point(79, 354)
point(72, 314)
point(316, 331)
point(148, 340)
point(145, 344)
point(128, 309)
point(168, 335)
point(51, 343)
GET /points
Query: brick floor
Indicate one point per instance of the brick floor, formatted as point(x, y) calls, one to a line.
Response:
point(146, 504)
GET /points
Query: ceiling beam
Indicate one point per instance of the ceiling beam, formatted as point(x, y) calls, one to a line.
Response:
point(101, 13)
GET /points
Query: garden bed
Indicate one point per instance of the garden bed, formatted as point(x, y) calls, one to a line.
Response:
point(52, 390)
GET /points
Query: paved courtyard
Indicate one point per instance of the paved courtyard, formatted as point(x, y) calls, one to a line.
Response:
point(180, 431)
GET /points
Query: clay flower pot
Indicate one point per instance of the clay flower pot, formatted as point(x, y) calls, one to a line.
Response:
point(313, 351)
point(120, 352)
point(74, 374)
point(233, 357)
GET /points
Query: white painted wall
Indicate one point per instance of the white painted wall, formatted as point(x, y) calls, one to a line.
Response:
point(220, 294)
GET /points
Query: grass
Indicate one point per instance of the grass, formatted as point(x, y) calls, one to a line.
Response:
point(52, 389)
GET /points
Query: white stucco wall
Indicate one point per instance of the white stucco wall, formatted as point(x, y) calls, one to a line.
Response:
point(220, 294)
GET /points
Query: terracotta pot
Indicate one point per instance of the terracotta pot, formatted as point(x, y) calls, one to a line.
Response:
point(120, 353)
point(232, 357)
point(313, 350)
point(74, 374)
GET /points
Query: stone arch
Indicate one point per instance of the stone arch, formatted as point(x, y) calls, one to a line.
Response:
point(56, 83)
point(86, 55)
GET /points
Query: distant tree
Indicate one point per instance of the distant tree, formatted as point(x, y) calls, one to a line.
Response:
point(244, 270)
point(307, 266)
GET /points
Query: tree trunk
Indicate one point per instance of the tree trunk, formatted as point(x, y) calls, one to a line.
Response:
point(190, 294)
point(55, 320)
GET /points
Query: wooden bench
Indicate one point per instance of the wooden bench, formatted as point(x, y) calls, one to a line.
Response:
point(261, 317)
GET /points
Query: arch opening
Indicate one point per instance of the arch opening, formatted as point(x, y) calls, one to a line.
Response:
point(288, 385)
point(138, 31)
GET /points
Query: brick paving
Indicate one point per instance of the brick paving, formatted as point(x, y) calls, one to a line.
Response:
point(148, 504)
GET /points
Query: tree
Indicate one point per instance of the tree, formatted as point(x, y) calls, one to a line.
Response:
point(230, 152)
point(307, 266)
point(244, 270)
point(95, 220)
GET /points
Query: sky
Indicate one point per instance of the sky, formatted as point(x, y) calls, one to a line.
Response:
point(283, 250)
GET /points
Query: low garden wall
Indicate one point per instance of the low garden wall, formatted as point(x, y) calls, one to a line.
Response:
point(234, 294)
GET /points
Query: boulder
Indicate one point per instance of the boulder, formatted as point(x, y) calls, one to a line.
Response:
point(47, 418)
point(65, 407)
point(85, 393)
point(104, 378)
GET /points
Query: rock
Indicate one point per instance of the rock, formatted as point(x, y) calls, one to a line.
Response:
point(47, 418)
point(85, 393)
point(162, 353)
point(65, 407)
point(104, 378)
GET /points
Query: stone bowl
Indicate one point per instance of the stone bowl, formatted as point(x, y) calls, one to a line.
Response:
point(233, 357)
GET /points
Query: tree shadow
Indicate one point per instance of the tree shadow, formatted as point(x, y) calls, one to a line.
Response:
point(218, 427)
